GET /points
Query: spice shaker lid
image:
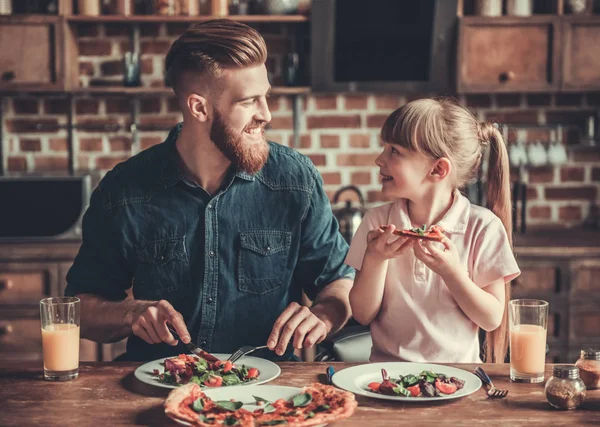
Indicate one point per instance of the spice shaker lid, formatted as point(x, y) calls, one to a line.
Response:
point(590, 354)
point(566, 371)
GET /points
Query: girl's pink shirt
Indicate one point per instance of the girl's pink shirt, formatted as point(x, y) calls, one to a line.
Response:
point(419, 320)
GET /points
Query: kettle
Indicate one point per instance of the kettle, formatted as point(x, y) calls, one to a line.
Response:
point(349, 217)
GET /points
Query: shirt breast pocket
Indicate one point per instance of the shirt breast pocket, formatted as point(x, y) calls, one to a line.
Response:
point(162, 267)
point(262, 262)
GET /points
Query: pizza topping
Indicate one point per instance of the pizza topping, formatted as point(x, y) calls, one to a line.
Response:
point(302, 399)
point(198, 405)
point(420, 231)
point(228, 405)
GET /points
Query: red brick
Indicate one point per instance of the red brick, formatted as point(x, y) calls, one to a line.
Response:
point(147, 66)
point(305, 141)
point(358, 140)
point(318, 159)
point(539, 175)
point(480, 101)
point(31, 145)
point(173, 105)
point(149, 30)
point(538, 134)
point(281, 123)
point(414, 96)
point(570, 213)
point(118, 105)
point(518, 117)
point(86, 68)
point(37, 125)
point(566, 117)
point(330, 141)
point(568, 99)
point(17, 164)
point(593, 98)
point(124, 46)
point(157, 47)
point(376, 196)
point(356, 159)
point(106, 163)
point(376, 120)
point(508, 100)
point(43, 163)
point(90, 144)
point(332, 178)
point(117, 30)
point(59, 144)
point(387, 102)
point(120, 143)
point(87, 30)
point(532, 193)
point(326, 102)
point(571, 193)
point(274, 103)
point(360, 178)
point(327, 122)
point(93, 124)
point(111, 68)
point(572, 174)
point(56, 106)
point(150, 105)
point(586, 156)
point(87, 106)
point(26, 106)
point(149, 141)
point(158, 122)
point(96, 47)
point(596, 174)
point(540, 212)
point(539, 100)
point(356, 102)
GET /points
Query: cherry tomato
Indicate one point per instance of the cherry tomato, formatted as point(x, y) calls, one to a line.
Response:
point(374, 386)
point(252, 373)
point(415, 390)
point(213, 381)
point(446, 388)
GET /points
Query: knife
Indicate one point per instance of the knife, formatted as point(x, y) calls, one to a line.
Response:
point(193, 347)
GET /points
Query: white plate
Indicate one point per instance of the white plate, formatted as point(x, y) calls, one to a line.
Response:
point(357, 378)
point(246, 395)
point(267, 370)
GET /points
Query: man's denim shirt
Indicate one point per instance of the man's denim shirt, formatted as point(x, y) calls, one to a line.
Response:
point(229, 263)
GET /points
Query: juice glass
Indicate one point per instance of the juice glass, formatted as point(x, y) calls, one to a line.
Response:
point(528, 323)
point(60, 337)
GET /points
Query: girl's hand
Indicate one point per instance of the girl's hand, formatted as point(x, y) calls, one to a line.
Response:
point(443, 261)
point(378, 246)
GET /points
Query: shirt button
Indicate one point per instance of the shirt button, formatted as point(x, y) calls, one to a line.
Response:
point(211, 253)
point(268, 248)
point(210, 300)
point(210, 206)
point(203, 343)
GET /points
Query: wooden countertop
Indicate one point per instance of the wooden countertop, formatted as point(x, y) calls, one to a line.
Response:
point(107, 392)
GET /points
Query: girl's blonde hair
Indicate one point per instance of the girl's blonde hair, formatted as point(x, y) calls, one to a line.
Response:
point(441, 127)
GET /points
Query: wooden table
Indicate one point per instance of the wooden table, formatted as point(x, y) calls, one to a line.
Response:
point(109, 394)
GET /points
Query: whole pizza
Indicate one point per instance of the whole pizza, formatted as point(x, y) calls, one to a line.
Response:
point(317, 404)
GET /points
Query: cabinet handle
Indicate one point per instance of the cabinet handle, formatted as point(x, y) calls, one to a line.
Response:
point(8, 76)
point(6, 285)
point(506, 76)
point(5, 329)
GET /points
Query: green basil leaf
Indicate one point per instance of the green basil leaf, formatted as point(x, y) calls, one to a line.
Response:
point(228, 405)
point(230, 421)
point(322, 408)
point(231, 378)
point(311, 414)
point(260, 399)
point(269, 409)
point(206, 419)
point(201, 365)
point(273, 423)
point(198, 405)
point(302, 399)
point(401, 391)
point(409, 380)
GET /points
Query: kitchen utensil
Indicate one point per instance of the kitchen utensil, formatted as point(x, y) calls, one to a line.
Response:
point(349, 217)
point(492, 391)
point(242, 351)
point(193, 347)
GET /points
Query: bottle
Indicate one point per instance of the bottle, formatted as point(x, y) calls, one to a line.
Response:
point(89, 7)
point(589, 368)
point(565, 389)
point(220, 7)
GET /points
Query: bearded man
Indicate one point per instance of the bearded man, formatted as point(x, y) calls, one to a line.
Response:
point(216, 231)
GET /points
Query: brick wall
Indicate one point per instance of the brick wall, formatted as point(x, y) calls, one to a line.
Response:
point(338, 132)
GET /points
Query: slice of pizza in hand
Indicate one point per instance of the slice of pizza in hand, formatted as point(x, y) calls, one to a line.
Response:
point(435, 233)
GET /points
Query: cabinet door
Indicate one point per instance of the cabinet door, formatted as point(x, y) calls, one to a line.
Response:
point(581, 58)
point(508, 55)
point(28, 54)
point(26, 283)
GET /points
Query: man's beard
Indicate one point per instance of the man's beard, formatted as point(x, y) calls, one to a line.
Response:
point(248, 157)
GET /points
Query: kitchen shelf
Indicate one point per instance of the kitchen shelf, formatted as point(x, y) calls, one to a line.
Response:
point(183, 19)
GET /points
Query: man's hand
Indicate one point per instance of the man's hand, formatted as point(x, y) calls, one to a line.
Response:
point(301, 323)
point(149, 321)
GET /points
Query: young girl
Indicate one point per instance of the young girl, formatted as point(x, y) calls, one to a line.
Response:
point(425, 301)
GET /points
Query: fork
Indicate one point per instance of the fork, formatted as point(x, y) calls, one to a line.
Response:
point(242, 351)
point(492, 391)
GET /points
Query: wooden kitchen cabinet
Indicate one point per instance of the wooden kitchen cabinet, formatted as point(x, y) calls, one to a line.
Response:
point(33, 53)
point(581, 53)
point(508, 54)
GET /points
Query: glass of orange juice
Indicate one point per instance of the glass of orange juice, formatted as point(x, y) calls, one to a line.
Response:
point(528, 323)
point(60, 337)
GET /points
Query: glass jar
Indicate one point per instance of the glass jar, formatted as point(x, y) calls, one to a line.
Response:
point(564, 389)
point(589, 368)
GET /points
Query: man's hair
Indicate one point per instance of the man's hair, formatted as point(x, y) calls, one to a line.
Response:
point(212, 46)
